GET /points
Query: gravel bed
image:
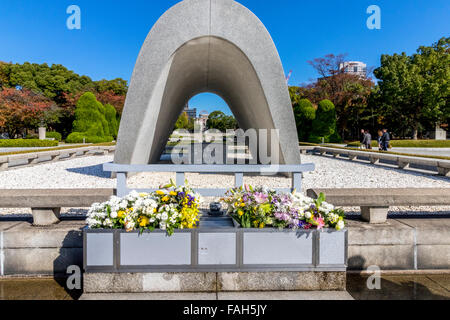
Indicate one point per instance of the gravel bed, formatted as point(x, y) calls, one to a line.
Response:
point(330, 173)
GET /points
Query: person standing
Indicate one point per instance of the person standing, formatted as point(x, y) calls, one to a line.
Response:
point(361, 139)
point(380, 135)
point(368, 140)
point(385, 139)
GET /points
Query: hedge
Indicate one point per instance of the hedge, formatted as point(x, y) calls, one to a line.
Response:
point(411, 144)
point(374, 151)
point(77, 137)
point(53, 135)
point(27, 143)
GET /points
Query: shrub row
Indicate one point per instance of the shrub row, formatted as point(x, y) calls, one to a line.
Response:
point(411, 144)
point(77, 137)
point(27, 143)
point(53, 135)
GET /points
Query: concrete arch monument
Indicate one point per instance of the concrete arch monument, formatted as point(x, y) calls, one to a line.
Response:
point(216, 46)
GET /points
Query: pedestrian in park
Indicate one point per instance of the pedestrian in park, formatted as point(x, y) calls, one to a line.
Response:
point(380, 135)
point(385, 140)
point(367, 140)
point(361, 139)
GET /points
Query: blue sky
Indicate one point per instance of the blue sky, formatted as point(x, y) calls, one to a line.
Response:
point(113, 31)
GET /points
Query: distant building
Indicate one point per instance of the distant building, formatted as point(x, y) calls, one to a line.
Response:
point(354, 67)
point(202, 120)
point(192, 113)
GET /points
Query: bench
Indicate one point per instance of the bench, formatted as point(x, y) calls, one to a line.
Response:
point(375, 203)
point(46, 204)
point(403, 162)
point(122, 171)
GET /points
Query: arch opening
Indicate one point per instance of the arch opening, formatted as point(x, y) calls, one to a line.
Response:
point(216, 66)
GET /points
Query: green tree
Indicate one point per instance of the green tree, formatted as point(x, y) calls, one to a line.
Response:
point(324, 125)
point(220, 121)
point(50, 81)
point(182, 122)
point(118, 86)
point(304, 113)
point(90, 122)
point(414, 91)
point(111, 118)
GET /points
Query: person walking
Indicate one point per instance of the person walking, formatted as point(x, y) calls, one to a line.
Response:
point(367, 140)
point(361, 139)
point(385, 140)
point(380, 135)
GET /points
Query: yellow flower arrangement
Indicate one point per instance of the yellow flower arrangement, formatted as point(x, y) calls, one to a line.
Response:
point(167, 209)
point(143, 221)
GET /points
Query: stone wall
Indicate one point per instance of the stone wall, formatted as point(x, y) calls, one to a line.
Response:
point(399, 244)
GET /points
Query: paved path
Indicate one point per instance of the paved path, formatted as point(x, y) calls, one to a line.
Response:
point(442, 152)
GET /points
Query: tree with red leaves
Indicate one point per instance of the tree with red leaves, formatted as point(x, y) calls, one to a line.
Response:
point(348, 92)
point(22, 109)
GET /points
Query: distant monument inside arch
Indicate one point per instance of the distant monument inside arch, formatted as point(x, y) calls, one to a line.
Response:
point(197, 46)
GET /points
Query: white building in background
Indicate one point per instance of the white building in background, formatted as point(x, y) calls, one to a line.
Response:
point(354, 67)
point(202, 120)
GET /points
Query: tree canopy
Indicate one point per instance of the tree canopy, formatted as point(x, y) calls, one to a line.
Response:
point(23, 109)
point(411, 96)
point(414, 91)
point(220, 121)
point(63, 87)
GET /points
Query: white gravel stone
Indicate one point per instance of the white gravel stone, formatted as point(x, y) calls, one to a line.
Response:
point(330, 173)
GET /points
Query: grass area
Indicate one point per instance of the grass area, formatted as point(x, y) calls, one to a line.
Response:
point(27, 143)
point(375, 151)
point(106, 144)
point(411, 144)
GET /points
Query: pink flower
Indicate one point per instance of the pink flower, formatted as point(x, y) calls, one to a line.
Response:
point(320, 223)
point(260, 198)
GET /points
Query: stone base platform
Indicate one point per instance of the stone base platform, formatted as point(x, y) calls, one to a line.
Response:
point(213, 282)
point(226, 296)
point(398, 244)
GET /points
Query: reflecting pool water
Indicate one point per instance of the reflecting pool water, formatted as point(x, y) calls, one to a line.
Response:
point(398, 287)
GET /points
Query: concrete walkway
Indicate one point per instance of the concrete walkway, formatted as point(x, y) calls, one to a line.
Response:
point(442, 152)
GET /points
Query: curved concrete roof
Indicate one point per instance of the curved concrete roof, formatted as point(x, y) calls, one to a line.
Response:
point(197, 46)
